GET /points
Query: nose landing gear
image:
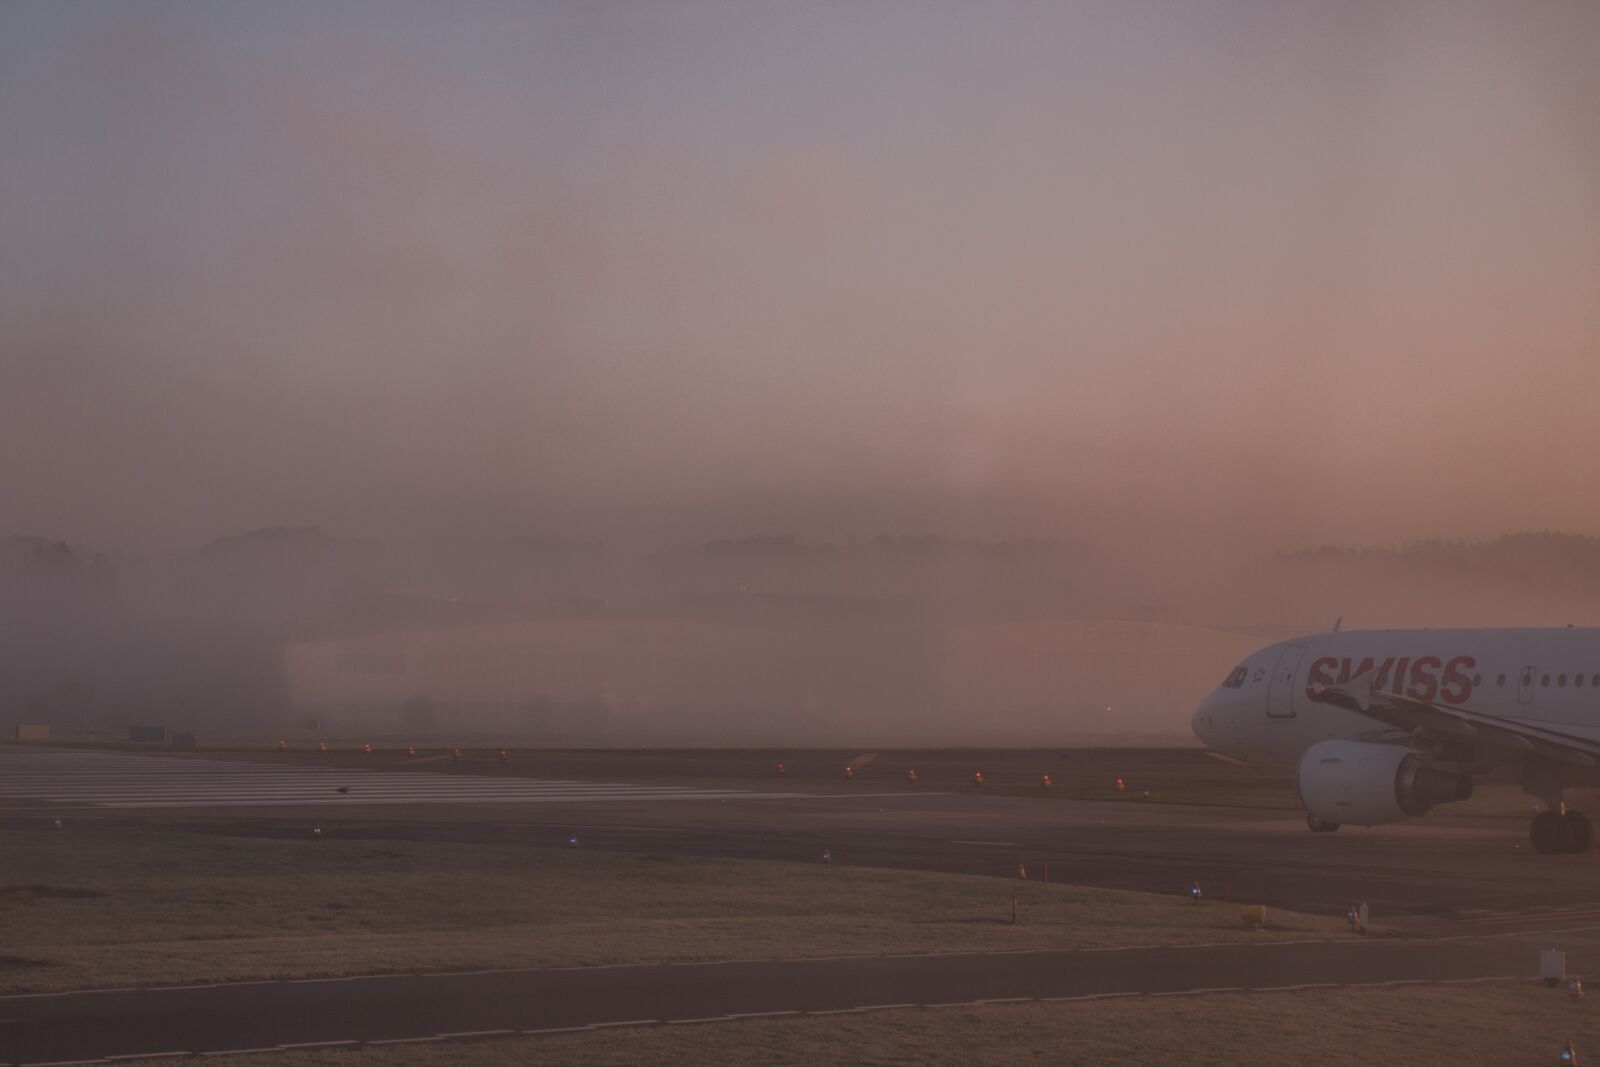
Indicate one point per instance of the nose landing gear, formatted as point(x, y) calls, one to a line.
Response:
point(1560, 831)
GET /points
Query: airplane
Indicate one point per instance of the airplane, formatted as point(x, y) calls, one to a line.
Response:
point(1381, 725)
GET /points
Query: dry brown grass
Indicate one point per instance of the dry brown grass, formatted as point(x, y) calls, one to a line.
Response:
point(1412, 1026)
point(100, 904)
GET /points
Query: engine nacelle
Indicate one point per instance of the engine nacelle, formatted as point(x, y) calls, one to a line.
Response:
point(1369, 784)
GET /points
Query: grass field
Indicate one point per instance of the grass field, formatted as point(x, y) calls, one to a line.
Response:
point(1502, 1023)
point(104, 903)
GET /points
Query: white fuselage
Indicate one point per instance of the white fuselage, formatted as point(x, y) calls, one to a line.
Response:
point(1264, 712)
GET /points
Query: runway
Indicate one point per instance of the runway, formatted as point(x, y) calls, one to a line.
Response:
point(399, 1009)
point(1438, 875)
point(1469, 900)
point(72, 779)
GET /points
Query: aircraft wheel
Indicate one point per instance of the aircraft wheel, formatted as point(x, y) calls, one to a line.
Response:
point(1319, 825)
point(1575, 832)
point(1546, 832)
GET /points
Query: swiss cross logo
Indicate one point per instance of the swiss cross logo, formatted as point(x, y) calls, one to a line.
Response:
point(1261, 672)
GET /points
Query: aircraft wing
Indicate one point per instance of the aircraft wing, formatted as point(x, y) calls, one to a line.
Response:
point(1445, 722)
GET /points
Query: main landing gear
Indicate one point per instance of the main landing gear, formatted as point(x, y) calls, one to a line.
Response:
point(1319, 825)
point(1560, 831)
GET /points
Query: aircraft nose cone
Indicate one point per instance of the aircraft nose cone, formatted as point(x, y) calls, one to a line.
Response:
point(1204, 721)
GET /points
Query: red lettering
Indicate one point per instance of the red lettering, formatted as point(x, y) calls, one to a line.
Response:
point(1361, 668)
point(1425, 678)
point(1318, 677)
point(1457, 687)
point(1399, 676)
point(1423, 684)
point(1380, 681)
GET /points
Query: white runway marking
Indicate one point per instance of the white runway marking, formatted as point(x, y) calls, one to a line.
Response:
point(118, 780)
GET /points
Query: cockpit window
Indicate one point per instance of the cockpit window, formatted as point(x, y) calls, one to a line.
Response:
point(1234, 680)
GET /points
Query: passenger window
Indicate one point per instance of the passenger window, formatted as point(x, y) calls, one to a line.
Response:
point(1577, 680)
point(1500, 681)
point(1477, 680)
point(1561, 680)
point(1545, 680)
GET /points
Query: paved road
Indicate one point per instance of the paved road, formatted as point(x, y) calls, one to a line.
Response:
point(265, 1015)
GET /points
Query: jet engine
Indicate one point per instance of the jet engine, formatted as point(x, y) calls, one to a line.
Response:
point(1370, 784)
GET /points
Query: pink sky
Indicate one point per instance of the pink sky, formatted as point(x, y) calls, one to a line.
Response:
point(1244, 273)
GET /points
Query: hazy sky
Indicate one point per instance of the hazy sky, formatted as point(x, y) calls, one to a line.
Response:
point(1277, 272)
